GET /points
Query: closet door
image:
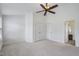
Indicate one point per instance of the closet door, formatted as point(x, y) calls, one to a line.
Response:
point(50, 31)
point(37, 32)
point(0, 32)
point(40, 32)
point(39, 27)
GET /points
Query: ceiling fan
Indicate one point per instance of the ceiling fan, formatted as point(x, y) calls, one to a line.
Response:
point(47, 8)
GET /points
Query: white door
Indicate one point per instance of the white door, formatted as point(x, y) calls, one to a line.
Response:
point(50, 30)
point(40, 31)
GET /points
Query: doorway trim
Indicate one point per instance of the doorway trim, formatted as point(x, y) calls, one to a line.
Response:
point(66, 31)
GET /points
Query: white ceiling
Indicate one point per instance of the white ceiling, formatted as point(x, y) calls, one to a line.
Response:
point(19, 8)
point(22, 8)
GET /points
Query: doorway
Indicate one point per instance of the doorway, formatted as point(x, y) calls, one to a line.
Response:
point(70, 32)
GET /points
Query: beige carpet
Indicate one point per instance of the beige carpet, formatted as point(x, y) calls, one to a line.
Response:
point(40, 48)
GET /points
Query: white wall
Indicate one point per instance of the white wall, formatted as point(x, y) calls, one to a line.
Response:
point(13, 28)
point(0, 32)
point(29, 27)
point(18, 28)
point(77, 25)
point(0, 21)
point(55, 29)
point(56, 22)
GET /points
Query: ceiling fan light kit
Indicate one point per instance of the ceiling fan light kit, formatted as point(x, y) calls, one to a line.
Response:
point(46, 9)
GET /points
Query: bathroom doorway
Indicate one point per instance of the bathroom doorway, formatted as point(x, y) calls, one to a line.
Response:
point(70, 32)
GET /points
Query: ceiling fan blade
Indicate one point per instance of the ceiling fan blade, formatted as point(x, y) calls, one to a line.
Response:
point(42, 6)
point(53, 7)
point(45, 13)
point(51, 12)
point(40, 11)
